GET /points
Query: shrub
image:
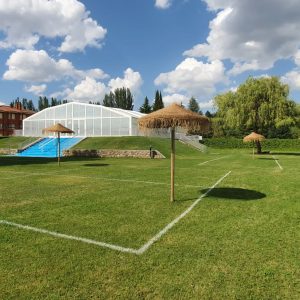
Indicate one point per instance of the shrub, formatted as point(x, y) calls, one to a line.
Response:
point(268, 144)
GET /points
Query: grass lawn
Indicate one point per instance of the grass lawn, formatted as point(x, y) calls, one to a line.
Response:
point(137, 143)
point(241, 241)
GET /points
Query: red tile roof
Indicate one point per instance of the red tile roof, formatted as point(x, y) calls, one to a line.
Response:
point(5, 108)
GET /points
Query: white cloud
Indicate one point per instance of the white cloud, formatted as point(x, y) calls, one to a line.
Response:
point(292, 78)
point(23, 22)
point(193, 77)
point(38, 66)
point(36, 89)
point(297, 58)
point(131, 80)
point(162, 4)
point(87, 90)
point(2, 103)
point(61, 94)
point(206, 105)
point(253, 35)
point(182, 99)
point(175, 98)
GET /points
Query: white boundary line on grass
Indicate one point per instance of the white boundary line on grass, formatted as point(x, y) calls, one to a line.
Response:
point(69, 237)
point(279, 165)
point(170, 225)
point(205, 162)
point(139, 251)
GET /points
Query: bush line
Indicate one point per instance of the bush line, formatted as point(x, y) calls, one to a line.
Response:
point(236, 143)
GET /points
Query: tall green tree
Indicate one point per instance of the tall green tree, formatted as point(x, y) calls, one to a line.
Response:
point(25, 103)
point(43, 103)
point(31, 106)
point(146, 107)
point(158, 101)
point(194, 105)
point(123, 98)
point(261, 105)
point(14, 102)
point(109, 100)
point(120, 98)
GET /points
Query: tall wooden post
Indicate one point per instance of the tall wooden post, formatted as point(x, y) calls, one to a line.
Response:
point(58, 154)
point(172, 162)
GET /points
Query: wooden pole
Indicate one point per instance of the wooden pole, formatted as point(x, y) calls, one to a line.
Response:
point(58, 156)
point(172, 162)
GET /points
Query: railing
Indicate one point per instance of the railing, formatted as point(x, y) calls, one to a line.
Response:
point(42, 145)
point(192, 140)
point(28, 142)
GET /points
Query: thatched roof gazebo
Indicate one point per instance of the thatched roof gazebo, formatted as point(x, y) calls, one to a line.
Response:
point(254, 138)
point(171, 117)
point(58, 128)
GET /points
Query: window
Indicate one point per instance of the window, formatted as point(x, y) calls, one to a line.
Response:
point(13, 116)
point(1, 115)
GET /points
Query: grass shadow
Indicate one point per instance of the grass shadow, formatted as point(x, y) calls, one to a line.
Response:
point(17, 160)
point(268, 158)
point(286, 153)
point(235, 194)
point(95, 165)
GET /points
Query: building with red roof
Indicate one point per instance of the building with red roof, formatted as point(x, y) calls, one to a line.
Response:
point(11, 119)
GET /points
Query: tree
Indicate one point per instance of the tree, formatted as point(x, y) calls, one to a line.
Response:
point(120, 98)
point(109, 100)
point(123, 98)
point(145, 108)
point(15, 102)
point(208, 114)
point(25, 104)
point(158, 101)
point(260, 105)
point(43, 103)
point(30, 105)
point(193, 105)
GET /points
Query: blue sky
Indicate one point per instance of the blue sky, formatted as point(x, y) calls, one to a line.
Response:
point(81, 50)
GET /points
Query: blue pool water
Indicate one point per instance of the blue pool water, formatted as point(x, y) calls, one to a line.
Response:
point(48, 147)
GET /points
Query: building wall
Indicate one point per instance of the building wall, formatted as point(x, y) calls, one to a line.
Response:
point(11, 121)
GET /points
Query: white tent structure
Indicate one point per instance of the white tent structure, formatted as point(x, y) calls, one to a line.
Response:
point(85, 120)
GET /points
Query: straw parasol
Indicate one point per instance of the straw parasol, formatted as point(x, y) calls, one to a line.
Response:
point(58, 128)
point(254, 137)
point(171, 117)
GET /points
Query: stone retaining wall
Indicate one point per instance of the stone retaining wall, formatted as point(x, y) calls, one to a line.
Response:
point(112, 153)
point(4, 151)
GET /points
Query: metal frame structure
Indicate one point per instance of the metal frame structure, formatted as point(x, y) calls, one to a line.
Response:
point(86, 120)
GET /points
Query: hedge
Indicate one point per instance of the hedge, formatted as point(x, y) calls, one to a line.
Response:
point(268, 144)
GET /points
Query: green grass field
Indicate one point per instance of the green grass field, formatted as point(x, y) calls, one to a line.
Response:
point(241, 241)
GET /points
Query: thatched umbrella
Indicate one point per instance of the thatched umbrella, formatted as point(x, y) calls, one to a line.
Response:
point(58, 128)
point(171, 117)
point(254, 138)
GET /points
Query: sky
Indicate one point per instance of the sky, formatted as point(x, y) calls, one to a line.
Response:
point(80, 50)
